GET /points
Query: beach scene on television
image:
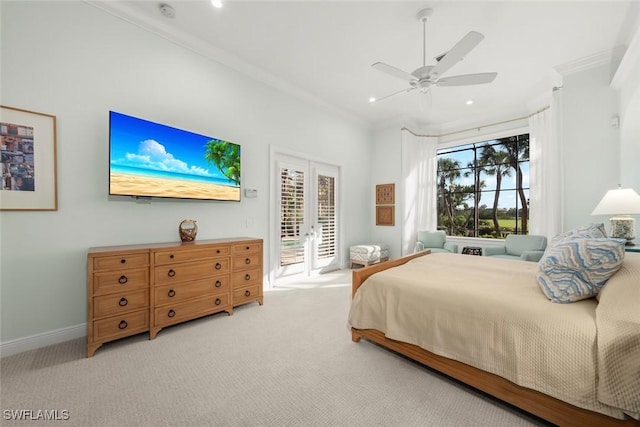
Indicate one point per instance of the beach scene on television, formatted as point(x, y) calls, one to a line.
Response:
point(149, 159)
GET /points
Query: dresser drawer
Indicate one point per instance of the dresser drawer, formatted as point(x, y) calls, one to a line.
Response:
point(121, 326)
point(115, 304)
point(173, 256)
point(119, 262)
point(175, 313)
point(242, 295)
point(246, 278)
point(171, 294)
point(245, 261)
point(176, 273)
point(120, 280)
point(246, 248)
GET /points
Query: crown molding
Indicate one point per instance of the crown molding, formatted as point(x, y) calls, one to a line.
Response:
point(591, 61)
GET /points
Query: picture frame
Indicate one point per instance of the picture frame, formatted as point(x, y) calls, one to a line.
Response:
point(385, 215)
point(385, 194)
point(29, 164)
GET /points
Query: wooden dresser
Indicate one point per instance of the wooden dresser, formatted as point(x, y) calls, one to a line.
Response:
point(139, 288)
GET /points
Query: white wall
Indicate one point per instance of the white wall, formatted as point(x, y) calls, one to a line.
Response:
point(386, 161)
point(591, 146)
point(630, 144)
point(77, 62)
point(627, 82)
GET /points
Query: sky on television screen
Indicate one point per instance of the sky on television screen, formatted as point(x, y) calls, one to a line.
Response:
point(143, 144)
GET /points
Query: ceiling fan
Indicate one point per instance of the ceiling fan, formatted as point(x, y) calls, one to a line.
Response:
point(428, 75)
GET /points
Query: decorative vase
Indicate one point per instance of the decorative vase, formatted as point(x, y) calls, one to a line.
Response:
point(188, 230)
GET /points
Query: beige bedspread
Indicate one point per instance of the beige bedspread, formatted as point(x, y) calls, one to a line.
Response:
point(488, 313)
point(618, 324)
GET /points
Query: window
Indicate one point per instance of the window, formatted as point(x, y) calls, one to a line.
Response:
point(483, 188)
point(327, 216)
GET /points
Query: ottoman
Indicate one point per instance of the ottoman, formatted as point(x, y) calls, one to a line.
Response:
point(366, 255)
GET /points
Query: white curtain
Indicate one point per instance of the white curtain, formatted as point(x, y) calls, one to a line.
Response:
point(419, 174)
point(545, 175)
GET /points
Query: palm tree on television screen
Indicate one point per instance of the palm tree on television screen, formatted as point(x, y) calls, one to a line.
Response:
point(226, 156)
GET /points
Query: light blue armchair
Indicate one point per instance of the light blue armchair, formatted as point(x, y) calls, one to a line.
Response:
point(435, 241)
point(526, 248)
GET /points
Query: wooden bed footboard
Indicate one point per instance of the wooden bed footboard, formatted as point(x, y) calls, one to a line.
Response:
point(534, 402)
point(360, 275)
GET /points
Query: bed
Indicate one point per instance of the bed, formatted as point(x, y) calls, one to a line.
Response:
point(468, 317)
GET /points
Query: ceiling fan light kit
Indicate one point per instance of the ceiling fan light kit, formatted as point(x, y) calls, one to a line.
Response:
point(428, 75)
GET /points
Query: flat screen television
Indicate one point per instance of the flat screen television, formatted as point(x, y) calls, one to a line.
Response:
point(148, 159)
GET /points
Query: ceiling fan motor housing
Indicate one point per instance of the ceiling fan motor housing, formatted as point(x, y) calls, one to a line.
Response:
point(423, 72)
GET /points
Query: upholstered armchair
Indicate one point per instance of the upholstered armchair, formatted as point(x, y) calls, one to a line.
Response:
point(435, 241)
point(526, 248)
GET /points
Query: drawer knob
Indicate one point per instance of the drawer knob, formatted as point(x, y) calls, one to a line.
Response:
point(123, 302)
point(247, 276)
point(171, 273)
point(218, 283)
point(171, 293)
point(247, 260)
point(171, 313)
point(123, 324)
point(218, 266)
point(247, 293)
point(122, 261)
point(171, 256)
point(218, 301)
point(218, 251)
point(247, 248)
point(123, 279)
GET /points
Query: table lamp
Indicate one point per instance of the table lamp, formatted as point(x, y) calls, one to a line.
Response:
point(621, 203)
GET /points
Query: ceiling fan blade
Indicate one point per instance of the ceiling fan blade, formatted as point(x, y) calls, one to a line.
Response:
point(392, 94)
point(457, 53)
point(467, 79)
point(396, 72)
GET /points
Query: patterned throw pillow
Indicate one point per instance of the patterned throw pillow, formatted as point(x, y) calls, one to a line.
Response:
point(595, 231)
point(577, 268)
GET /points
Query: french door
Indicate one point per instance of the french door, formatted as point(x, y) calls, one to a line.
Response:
point(307, 216)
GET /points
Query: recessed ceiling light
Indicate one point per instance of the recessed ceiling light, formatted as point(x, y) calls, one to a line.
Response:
point(216, 3)
point(372, 99)
point(469, 102)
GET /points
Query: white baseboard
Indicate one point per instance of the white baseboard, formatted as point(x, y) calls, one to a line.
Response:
point(32, 342)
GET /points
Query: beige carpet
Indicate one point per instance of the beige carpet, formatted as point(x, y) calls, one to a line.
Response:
point(289, 362)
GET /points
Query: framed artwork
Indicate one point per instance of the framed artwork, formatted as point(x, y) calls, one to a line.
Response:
point(385, 215)
point(385, 194)
point(28, 147)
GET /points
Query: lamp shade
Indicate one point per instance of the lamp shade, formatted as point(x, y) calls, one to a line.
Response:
point(621, 201)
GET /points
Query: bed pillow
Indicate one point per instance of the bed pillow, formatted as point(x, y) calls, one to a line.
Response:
point(595, 231)
point(577, 268)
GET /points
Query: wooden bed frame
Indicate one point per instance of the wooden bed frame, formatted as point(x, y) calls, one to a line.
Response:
point(534, 402)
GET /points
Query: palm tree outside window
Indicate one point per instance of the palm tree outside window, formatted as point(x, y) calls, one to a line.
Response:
point(483, 188)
